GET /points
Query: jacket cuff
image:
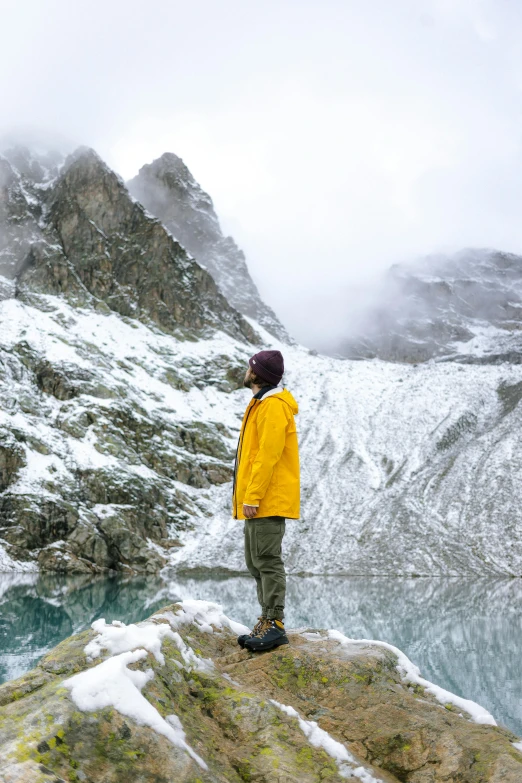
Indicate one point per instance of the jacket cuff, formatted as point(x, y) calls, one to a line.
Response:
point(254, 505)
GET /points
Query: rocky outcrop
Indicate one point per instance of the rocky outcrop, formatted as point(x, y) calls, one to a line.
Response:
point(19, 215)
point(465, 308)
point(11, 460)
point(105, 455)
point(95, 244)
point(174, 699)
point(169, 191)
point(37, 611)
point(74, 244)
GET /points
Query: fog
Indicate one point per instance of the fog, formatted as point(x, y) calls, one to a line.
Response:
point(336, 138)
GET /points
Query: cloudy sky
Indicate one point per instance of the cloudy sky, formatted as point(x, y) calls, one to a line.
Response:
point(335, 137)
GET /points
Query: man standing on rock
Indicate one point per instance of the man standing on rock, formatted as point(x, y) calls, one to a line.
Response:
point(266, 491)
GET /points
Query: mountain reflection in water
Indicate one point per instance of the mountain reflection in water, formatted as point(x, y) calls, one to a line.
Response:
point(465, 635)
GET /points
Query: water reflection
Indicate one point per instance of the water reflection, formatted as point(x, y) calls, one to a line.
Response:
point(465, 635)
point(38, 611)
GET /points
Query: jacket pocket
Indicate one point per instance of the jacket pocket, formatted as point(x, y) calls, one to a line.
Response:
point(269, 537)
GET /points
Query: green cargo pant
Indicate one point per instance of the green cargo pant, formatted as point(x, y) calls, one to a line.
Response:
point(263, 539)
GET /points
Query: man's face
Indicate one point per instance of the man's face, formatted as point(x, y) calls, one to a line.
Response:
point(248, 378)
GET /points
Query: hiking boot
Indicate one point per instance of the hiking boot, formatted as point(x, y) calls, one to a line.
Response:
point(256, 629)
point(272, 634)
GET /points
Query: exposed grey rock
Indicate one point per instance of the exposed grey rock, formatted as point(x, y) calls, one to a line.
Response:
point(73, 240)
point(125, 513)
point(465, 308)
point(96, 244)
point(169, 191)
point(19, 229)
point(12, 458)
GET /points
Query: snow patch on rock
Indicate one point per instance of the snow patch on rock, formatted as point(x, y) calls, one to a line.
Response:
point(113, 684)
point(118, 638)
point(411, 673)
point(319, 738)
point(8, 564)
point(206, 615)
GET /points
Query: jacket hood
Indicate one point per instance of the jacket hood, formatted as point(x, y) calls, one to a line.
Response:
point(289, 399)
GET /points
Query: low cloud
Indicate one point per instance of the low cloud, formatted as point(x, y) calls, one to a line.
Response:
point(335, 138)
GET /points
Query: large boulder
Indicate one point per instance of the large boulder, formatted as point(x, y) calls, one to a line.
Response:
point(174, 699)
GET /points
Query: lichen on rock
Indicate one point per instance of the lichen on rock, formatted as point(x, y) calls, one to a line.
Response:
point(192, 706)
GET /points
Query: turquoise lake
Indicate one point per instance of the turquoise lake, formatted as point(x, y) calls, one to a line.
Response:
point(465, 635)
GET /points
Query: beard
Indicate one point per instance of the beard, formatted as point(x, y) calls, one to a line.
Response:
point(253, 380)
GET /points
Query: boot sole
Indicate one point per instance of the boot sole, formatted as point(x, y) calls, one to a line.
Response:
point(276, 643)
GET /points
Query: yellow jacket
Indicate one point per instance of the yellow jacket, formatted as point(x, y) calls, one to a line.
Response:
point(267, 460)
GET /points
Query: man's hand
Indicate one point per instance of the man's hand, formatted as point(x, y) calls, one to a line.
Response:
point(249, 511)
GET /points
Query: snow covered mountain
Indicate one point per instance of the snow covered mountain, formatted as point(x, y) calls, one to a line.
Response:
point(406, 470)
point(92, 289)
point(82, 235)
point(465, 308)
point(121, 398)
point(169, 191)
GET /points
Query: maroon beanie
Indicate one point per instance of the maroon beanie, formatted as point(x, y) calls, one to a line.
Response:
point(269, 365)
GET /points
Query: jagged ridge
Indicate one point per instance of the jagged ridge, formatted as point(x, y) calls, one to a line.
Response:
point(93, 242)
point(465, 308)
point(169, 191)
point(97, 470)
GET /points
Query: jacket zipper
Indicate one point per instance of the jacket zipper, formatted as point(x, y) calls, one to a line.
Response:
point(238, 458)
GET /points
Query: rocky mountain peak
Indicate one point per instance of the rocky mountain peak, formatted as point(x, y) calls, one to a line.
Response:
point(167, 189)
point(466, 308)
point(37, 168)
point(82, 235)
point(172, 169)
point(77, 248)
point(20, 211)
point(91, 190)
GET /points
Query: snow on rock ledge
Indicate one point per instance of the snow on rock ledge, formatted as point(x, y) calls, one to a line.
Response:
point(173, 698)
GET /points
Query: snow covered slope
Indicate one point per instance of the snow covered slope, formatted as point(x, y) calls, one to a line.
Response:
point(120, 376)
point(117, 444)
point(111, 434)
point(405, 470)
point(465, 308)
